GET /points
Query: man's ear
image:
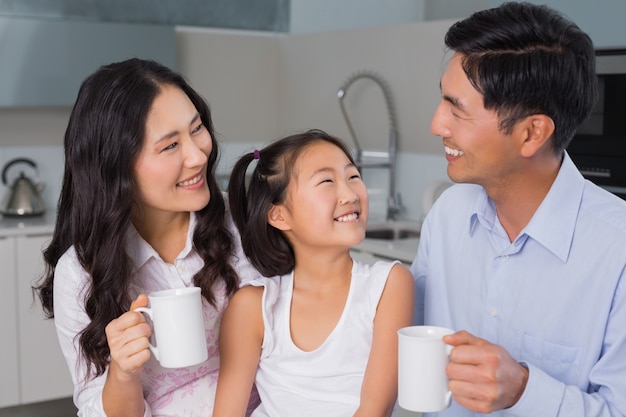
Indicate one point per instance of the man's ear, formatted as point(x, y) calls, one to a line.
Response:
point(537, 130)
point(276, 217)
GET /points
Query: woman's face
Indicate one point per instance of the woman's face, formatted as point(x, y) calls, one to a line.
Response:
point(170, 172)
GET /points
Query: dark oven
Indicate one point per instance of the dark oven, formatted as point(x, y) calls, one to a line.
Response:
point(599, 146)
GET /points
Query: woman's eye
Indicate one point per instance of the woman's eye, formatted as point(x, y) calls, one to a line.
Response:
point(170, 146)
point(198, 128)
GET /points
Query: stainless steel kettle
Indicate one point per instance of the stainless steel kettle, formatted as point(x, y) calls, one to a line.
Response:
point(24, 195)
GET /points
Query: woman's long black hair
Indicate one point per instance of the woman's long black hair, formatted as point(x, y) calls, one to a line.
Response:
point(103, 139)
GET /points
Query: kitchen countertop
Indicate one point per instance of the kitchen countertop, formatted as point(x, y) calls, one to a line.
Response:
point(401, 249)
point(27, 225)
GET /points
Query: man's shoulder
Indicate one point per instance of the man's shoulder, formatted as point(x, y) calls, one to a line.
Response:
point(603, 206)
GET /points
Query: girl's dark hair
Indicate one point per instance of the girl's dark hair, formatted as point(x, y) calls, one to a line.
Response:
point(103, 139)
point(528, 59)
point(267, 248)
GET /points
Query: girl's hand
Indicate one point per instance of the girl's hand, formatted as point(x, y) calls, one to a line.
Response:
point(127, 337)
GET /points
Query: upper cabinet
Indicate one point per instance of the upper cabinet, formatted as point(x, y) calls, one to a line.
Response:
point(44, 61)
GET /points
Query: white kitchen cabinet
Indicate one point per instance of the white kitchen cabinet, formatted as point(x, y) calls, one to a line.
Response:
point(43, 371)
point(9, 389)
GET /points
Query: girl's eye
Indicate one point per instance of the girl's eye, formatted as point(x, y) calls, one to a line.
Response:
point(355, 177)
point(198, 128)
point(327, 180)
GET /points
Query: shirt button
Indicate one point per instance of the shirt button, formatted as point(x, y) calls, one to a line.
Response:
point(493, 312)
point(180, 268)
point(505, 257)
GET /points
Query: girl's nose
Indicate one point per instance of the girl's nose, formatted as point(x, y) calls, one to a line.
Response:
point(348, 195)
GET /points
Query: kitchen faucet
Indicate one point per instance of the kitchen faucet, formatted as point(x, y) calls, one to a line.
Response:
point(385, 159)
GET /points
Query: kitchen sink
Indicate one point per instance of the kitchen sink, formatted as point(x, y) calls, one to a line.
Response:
point(392, 230)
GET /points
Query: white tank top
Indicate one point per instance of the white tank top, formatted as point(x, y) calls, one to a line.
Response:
point(325, 382)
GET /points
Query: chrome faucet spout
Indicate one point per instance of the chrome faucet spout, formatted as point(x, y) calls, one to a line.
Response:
point(394, 205)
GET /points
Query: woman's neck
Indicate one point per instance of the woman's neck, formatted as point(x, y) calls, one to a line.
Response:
point(165, 232)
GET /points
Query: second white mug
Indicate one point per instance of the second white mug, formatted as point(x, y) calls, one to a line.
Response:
point(178, 327)
point(422, 360)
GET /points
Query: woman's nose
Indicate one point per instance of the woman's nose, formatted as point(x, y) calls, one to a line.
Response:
point(195, 155)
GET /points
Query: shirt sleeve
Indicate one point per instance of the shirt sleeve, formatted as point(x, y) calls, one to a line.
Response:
point(241, 263)
point(419, 269)
point(70, 282)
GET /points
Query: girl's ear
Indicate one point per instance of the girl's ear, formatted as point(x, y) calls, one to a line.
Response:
point(277, 217)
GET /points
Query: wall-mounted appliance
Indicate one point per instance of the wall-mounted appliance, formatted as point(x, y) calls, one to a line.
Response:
point(599, 146)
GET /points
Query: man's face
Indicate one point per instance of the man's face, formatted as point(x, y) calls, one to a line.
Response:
point(476, 150)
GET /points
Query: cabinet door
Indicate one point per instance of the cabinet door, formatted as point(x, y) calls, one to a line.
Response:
point(43, 371)
point(9, 377)
point(46, 60)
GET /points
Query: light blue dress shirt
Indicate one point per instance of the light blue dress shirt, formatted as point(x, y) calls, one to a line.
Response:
point(554, 298)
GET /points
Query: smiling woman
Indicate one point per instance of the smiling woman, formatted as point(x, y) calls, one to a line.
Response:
point(140, 211)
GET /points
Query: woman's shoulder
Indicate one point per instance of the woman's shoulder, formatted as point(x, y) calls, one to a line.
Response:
point(70, 278)
point(69, 262)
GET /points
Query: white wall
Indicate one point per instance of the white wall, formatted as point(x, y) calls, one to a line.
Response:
point(237, 72)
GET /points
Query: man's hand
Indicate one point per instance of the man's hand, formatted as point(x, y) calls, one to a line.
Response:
point(483, 376)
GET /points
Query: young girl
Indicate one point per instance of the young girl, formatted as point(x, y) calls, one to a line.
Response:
point(320, 332)
point(140, 211)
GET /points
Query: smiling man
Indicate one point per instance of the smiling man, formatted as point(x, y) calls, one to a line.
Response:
point(524, 258)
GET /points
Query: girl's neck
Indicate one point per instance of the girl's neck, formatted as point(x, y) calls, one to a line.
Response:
point(322, 270)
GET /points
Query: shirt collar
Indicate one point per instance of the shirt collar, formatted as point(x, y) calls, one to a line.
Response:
point(141, 252)
point(553, 223)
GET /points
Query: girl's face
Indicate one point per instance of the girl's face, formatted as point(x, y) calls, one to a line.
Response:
point(327, 202)
point(171, 170)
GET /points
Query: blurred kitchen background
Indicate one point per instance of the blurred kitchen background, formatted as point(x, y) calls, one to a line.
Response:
point(267, 68)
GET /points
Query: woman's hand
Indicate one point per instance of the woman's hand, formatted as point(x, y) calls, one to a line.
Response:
point(127, 337)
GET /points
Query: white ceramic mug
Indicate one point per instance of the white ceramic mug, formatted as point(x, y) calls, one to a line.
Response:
point(422, 360)
point(178, 327)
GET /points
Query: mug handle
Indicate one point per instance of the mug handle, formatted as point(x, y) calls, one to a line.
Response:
point(148, 311)
point(449, 393)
